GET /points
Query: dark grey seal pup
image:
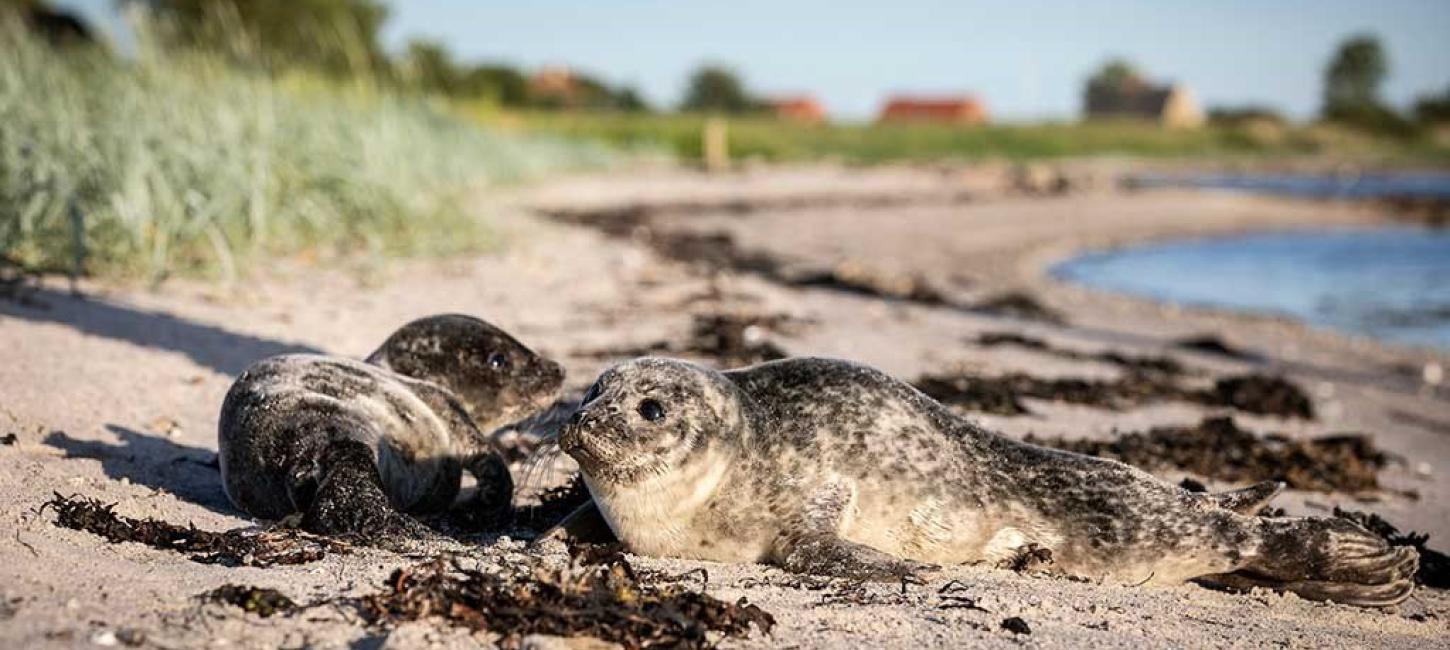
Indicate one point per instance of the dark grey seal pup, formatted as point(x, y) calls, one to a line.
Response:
point(348, 445)
point(829, 467)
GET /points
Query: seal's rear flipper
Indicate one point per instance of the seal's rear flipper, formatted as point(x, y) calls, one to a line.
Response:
point(1331, 559)
point(1385, 595)
point(1249, 500)
point(350, 502)
point(586, 525)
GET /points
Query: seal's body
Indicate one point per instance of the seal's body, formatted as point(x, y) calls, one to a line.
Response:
point(826, 466)
point(348, 445)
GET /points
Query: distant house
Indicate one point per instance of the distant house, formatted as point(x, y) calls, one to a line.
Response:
point(1172, 105)
point(555, 86)
point(803, 109)
point(955, 110)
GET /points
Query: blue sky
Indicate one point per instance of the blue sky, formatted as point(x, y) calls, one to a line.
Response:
point(1027, 59)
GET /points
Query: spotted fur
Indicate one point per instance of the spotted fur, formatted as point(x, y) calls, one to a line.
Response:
point(827, 466)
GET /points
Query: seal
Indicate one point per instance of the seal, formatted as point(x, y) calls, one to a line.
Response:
point(349, 446)
point(829, 467)
point(496, 378)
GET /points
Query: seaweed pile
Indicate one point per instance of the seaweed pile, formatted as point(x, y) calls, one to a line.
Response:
point(231, 548)
point(1131, 363)
point(1434, 565)
point(255, 600)
point(1019, 305)
point(729, 339)
point(1210, 344)
point(1217, 448)
point(1003, 395)
point(606, 602)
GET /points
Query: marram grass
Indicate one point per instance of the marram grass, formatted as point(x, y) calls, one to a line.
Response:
point(187, 165)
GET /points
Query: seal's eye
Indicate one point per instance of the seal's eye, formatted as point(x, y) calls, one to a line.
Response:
point(497, 361)
point(651, 410)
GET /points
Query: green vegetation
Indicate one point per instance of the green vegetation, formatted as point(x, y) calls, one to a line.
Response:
point(773, 140)
point(185, 162)
point(1352, 87)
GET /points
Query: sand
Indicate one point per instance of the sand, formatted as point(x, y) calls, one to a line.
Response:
point(115, 395)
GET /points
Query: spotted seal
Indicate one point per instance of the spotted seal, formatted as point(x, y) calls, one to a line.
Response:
point(829, 467)
point(348, 445)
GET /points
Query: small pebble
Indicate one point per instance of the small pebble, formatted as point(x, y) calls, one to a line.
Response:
point(1424, 469)
point(1433, 373)
point(104, 638)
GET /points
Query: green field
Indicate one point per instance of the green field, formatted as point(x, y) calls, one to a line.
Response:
point(187, 165)
point(772, 140)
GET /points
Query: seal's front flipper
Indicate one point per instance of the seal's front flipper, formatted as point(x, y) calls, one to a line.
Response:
point(825, 554)
point(586, 525)
point(811, 543)
point(349, 501)
point(491, 507)
point(1249, 500)
point(1332, 559)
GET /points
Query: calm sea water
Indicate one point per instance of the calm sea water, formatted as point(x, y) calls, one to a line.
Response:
point(1390, 283)
point(1349, 186)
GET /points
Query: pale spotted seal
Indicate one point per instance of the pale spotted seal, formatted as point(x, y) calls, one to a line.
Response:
point(829, 467)
point(347, 445)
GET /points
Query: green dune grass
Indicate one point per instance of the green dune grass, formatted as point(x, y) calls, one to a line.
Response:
point(186, 165)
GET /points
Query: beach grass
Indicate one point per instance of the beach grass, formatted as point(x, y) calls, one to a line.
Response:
point(154, 165)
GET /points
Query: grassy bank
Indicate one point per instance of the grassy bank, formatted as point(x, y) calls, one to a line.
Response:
point(187, 165)
point(773, 140)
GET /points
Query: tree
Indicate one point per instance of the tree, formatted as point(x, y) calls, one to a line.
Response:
point(505, 84)
point(1352, 82)
point(1433, 109)
point(336, 36)
point(714, 88)
point(1114, 74)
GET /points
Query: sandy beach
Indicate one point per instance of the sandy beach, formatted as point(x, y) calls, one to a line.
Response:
point(114, 395)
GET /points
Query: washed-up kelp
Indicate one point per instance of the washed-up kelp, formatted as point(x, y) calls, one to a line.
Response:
point(256, 600)
point(605, 602)
point(1003, 395)
point(1132, 363)
point(729, 339)
point(230, 548)
point(1217, 448)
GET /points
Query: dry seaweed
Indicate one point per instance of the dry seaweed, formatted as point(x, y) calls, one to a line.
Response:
point(1261, 394)
point(1210, 344)
point(605, 602)
point(1217, 448)
point(1003, 395)
point(729, 339)
point(854, 278)
point(1016, 625)
point(1019, 305)
point(1131, 363)
point(230, 548)
point(255, 600)
point(1434, 565)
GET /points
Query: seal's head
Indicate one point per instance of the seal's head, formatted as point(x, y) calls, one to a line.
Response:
point(495, 377)
point(649, 417)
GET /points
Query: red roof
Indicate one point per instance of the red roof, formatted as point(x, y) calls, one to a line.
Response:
point(965, 110)
point(800, 109)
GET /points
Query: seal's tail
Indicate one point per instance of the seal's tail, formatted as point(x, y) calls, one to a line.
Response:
point(1329, 559)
